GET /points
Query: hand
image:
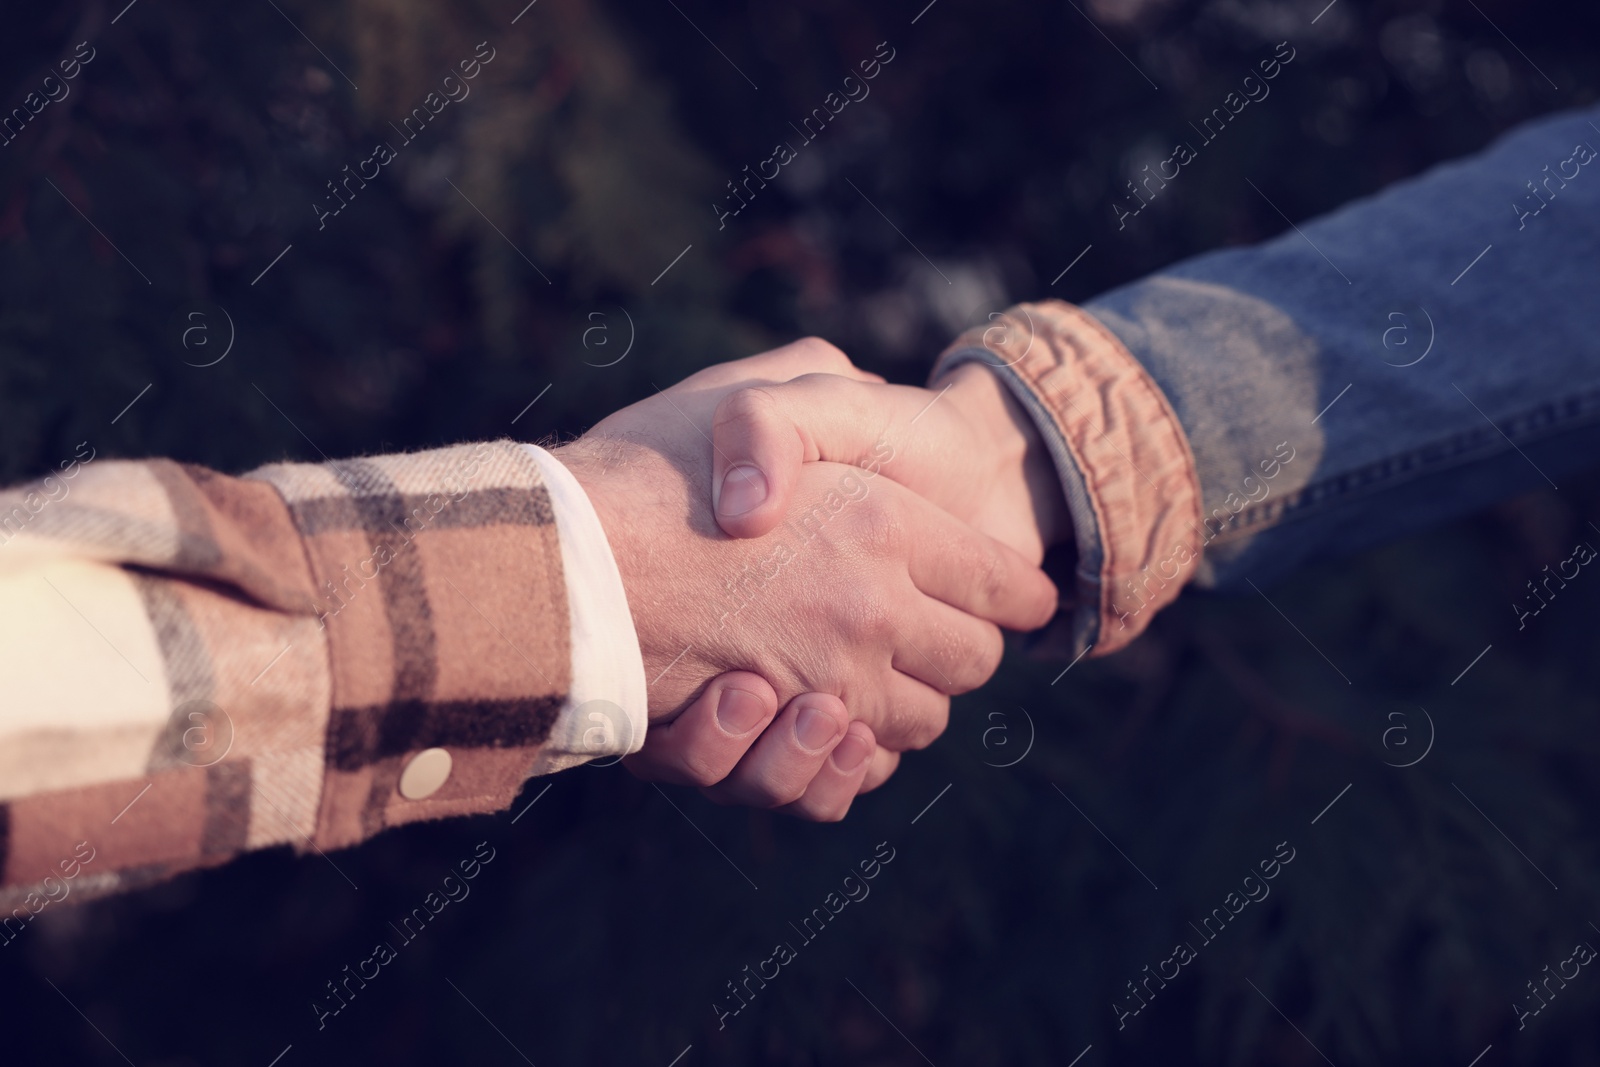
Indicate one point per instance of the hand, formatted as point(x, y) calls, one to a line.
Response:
point(872, 594)
point(986, 462)
point(967, 446)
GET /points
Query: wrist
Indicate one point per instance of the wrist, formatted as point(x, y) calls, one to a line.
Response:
point(624, 481)
point(1013, 438)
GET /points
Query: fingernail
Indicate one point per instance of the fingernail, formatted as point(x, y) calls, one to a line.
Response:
point(739, 711)
point(815, 728)
point(743, 489)
point(851, 753)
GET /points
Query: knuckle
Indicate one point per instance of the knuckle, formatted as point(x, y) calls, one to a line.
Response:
point(867, 623)
point(983, 659)
point(697, 770)
point(991, 576)
point(878, 530)
point(719, 795)
point(924, 727)
point(768, 788)
point(749, 405)
point(769, 794)
point(821, 386)
point(817, 350)
point(913, 725)
point(788, 796)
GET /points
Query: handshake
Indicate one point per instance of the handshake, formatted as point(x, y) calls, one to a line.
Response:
point(851, 567)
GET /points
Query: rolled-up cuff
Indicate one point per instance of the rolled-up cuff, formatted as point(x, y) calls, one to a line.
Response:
point(1123, 459)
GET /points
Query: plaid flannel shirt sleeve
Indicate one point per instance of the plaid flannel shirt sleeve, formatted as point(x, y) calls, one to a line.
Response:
point(197, 665)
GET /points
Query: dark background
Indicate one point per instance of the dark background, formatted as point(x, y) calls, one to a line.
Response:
point(597, 141)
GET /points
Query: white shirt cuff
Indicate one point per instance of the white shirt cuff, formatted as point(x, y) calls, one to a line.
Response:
point(607, 710)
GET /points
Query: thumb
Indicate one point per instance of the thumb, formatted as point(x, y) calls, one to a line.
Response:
point(762, 434)
point(758, 451)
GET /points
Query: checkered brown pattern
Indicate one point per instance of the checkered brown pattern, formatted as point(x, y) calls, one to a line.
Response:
point(325, 622)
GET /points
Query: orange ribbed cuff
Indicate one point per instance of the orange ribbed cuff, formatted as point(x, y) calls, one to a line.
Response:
point(1122, 456)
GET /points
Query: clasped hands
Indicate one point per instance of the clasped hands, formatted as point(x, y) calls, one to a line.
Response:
point(815, 562)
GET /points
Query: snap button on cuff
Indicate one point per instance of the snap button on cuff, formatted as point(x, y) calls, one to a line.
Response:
point(426, 772)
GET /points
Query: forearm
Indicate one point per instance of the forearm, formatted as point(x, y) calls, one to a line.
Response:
point(1362, 375)
point(199, 665)
point(1316, 346)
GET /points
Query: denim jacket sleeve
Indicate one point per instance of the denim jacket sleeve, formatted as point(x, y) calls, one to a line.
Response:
point(1409, 357)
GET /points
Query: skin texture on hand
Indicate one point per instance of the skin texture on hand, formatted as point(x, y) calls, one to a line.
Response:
point(869, 594)
point(966, 446)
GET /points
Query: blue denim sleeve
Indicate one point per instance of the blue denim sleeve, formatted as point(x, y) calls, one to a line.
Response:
point(1409, 357)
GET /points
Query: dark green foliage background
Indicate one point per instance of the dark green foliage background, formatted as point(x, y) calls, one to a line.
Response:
point(597, 141)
